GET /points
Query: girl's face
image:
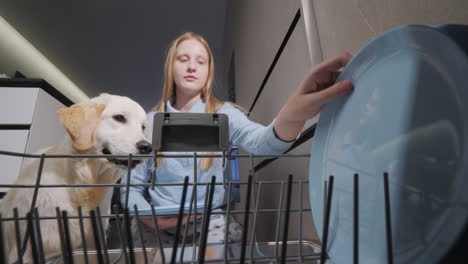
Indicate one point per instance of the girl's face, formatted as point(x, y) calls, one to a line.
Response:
point(190, 67)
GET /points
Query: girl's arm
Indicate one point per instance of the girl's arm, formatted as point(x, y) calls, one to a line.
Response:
point(317, 89)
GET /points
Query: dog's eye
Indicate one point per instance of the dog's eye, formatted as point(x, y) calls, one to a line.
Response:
point(143, 127)
point(119, 118)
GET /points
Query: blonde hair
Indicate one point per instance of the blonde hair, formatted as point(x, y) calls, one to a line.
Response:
point(212, 104)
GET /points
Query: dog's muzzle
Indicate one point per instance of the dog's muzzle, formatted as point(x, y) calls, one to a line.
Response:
point(143, 146)
point(122, 162)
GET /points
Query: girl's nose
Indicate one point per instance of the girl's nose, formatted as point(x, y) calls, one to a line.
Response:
point(191, 67)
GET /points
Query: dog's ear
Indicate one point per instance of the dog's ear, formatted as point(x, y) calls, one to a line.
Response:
point(81, 122)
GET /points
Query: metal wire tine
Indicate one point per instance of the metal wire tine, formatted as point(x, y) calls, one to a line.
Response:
point(278, 221)
point(254, 225)
point(246, 220)
point(37, 226)
point(328, 205)
point(33, 239)
point(179, 221)
point(96, 236)
point(388, 220)
point(153, 178)
point(38, 181)
point(301, 214)
point(2, 246)
point(254, 186)
point(158, 232)
point(284, 249)
point(140, 231)
point(224, 158)
point(187, 226)
point(66, 228)
point(325, 197)
point(127, 185)
point(223, 166)
point(227, 220)
point(204, 214)
point(356, 220)
point(128, 232)
point(83, 236)
point(18, 235)
point(251, 159)
point(123, 247)
point(34, 199)
point(205, 205)
point(195, 203)
point(61, 233)
point(206, 222)
point(252, 173)
point(156, 154)
point(102, 235)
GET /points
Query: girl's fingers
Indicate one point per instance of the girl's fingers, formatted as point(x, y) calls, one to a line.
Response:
point(333, 64)
point(333, 92)
point(324, 73)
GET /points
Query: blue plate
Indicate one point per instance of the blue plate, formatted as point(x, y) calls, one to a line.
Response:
point(406, 116)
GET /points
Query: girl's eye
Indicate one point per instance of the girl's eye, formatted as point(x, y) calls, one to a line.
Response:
point(119, 118)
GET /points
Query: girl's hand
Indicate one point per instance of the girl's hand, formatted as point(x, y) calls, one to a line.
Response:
point(317, 89)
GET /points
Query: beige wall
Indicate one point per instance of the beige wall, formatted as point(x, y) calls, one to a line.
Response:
point(254, 31)
point(348, 25)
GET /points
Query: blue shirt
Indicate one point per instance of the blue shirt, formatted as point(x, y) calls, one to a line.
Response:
point(250, 136)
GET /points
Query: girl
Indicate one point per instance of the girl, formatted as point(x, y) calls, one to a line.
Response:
point(189, 73)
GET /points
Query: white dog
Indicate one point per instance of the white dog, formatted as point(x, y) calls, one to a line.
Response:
point(107, 124)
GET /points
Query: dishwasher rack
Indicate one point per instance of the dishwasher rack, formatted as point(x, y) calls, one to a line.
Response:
point(281, 250)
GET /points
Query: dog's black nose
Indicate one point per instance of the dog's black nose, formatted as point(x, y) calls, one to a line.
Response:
point(144, 147)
